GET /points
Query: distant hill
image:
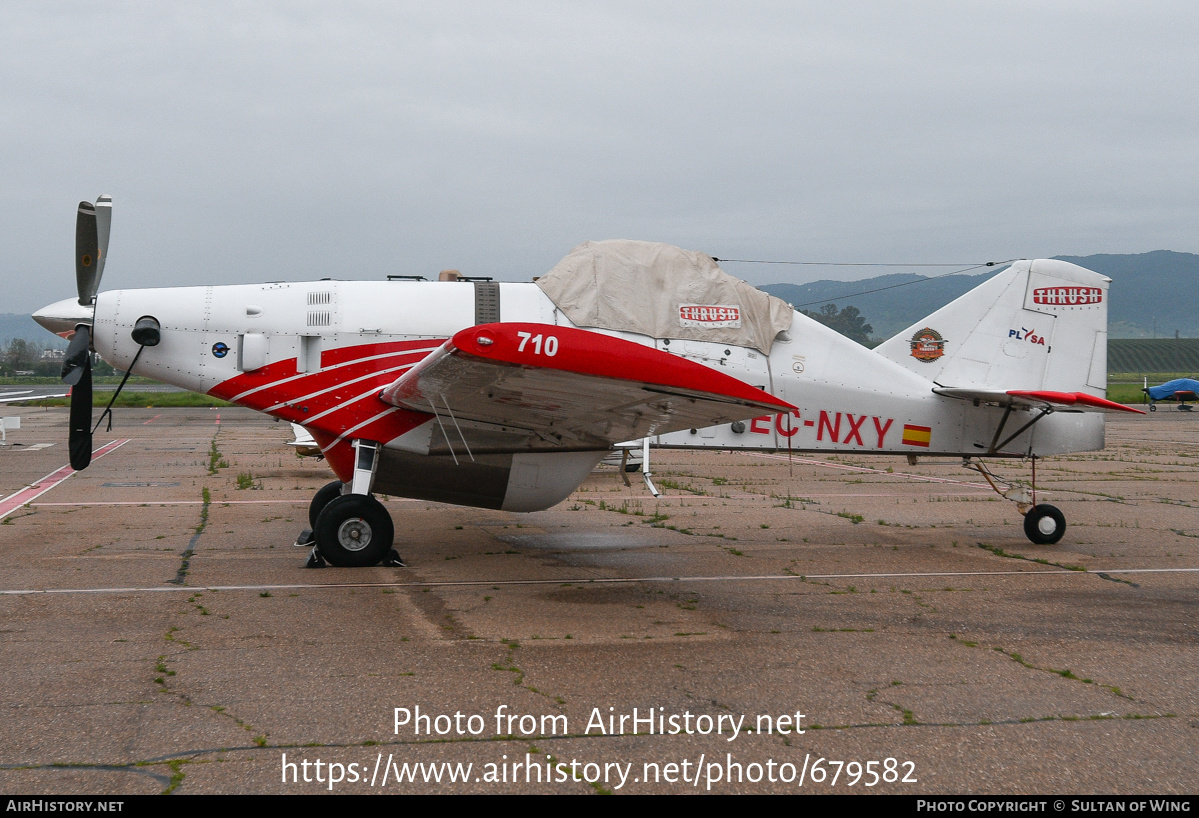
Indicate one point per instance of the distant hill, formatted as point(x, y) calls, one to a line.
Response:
point(1158, 289)
point(1147, 288)
point(888, 311)
point(15, 325)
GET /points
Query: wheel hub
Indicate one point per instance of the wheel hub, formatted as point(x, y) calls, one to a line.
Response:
point(1046, 525)
point(354, 534)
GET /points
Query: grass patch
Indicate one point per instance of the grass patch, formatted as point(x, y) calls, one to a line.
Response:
point(143, 400)
point(215, 460)
point(999, 552)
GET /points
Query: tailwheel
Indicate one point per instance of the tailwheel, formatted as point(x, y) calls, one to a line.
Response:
point(1044, 524)
point(354, 530)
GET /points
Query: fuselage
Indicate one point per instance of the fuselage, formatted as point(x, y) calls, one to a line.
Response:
point(319, 353)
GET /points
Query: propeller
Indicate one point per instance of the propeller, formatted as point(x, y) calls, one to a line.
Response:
point(92, 226)
point(77, 371)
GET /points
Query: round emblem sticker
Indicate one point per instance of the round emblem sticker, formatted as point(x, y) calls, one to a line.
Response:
point(220, 349)
point(927, 345)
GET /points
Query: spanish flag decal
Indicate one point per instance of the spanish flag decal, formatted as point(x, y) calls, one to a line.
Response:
point(916, 435)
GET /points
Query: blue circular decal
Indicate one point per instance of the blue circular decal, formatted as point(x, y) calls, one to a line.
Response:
point(220, 349)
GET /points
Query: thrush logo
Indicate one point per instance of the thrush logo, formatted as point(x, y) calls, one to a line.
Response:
point(701, 315)
point(927, 345)
point(1067, 296)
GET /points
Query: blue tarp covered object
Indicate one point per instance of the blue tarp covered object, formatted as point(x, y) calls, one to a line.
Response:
point(1167, 389)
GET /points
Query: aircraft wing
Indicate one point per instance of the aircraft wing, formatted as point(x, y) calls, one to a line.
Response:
point(568, 388)
point(304, 444)
point(27, 395)
point(1038, 399)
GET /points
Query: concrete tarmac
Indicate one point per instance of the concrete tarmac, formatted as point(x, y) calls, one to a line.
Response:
point(160, 633)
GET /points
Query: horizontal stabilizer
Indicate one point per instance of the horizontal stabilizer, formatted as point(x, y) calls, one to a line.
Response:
point(1038, 399)
point(570, 388)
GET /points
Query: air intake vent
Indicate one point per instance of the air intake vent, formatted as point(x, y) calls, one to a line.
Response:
point(320, 298)
point(319, 318)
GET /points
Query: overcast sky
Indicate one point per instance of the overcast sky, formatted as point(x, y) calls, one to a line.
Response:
point(267, 141)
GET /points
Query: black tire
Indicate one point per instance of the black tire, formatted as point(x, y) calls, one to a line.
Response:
point(354, 530)
point(1044, 524)
point(1153, 407)
point(632, 467)
point(322, 498)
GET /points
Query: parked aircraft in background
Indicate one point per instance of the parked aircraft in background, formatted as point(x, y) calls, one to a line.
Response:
point(1179, 389)
point(506, 395)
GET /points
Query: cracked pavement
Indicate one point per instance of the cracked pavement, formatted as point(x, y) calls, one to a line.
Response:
point(898, 607)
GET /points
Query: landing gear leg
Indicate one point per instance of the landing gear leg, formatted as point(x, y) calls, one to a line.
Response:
point(352, 528)
point(1043, 524)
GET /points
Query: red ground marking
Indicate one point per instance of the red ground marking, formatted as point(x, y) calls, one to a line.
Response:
point(14, 501)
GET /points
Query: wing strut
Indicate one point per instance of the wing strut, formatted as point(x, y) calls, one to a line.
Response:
point(995, 447)
point(461, 436)
point(444, 433)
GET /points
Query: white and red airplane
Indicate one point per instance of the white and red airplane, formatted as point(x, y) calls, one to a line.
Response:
point(506, 395)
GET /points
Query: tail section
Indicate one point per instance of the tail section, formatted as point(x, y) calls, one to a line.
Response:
point(1037, 325)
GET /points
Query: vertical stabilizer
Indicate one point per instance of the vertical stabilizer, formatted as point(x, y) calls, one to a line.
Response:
point(1037, 325)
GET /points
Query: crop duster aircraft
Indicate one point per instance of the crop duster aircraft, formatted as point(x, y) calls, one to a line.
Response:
point(506, 395)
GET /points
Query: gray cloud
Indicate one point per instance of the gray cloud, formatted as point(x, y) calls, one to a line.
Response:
point(282, 140)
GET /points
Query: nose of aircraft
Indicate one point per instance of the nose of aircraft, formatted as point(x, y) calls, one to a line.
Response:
point(62, 317)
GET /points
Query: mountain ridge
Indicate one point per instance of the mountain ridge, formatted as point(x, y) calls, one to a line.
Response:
point(1152, 294)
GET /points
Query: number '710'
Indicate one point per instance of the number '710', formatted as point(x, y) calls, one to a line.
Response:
point(549, 344)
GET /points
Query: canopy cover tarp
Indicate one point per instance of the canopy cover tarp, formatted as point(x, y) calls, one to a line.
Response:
point(1167, 389)
point(662, 291)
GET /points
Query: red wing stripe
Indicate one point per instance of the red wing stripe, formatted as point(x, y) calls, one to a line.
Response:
point(340, 385)
point(349, 362)
point(353, 429)
point(367, 394)
point(357, 352)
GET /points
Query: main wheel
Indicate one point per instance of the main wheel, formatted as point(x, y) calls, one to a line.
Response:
point(1044, 524)
point(322, 498)
point(354, 530)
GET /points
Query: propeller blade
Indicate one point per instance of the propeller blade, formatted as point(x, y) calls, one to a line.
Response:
point(103, 225)
point(87, 253)
point(78, 357)
point(80, 438)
